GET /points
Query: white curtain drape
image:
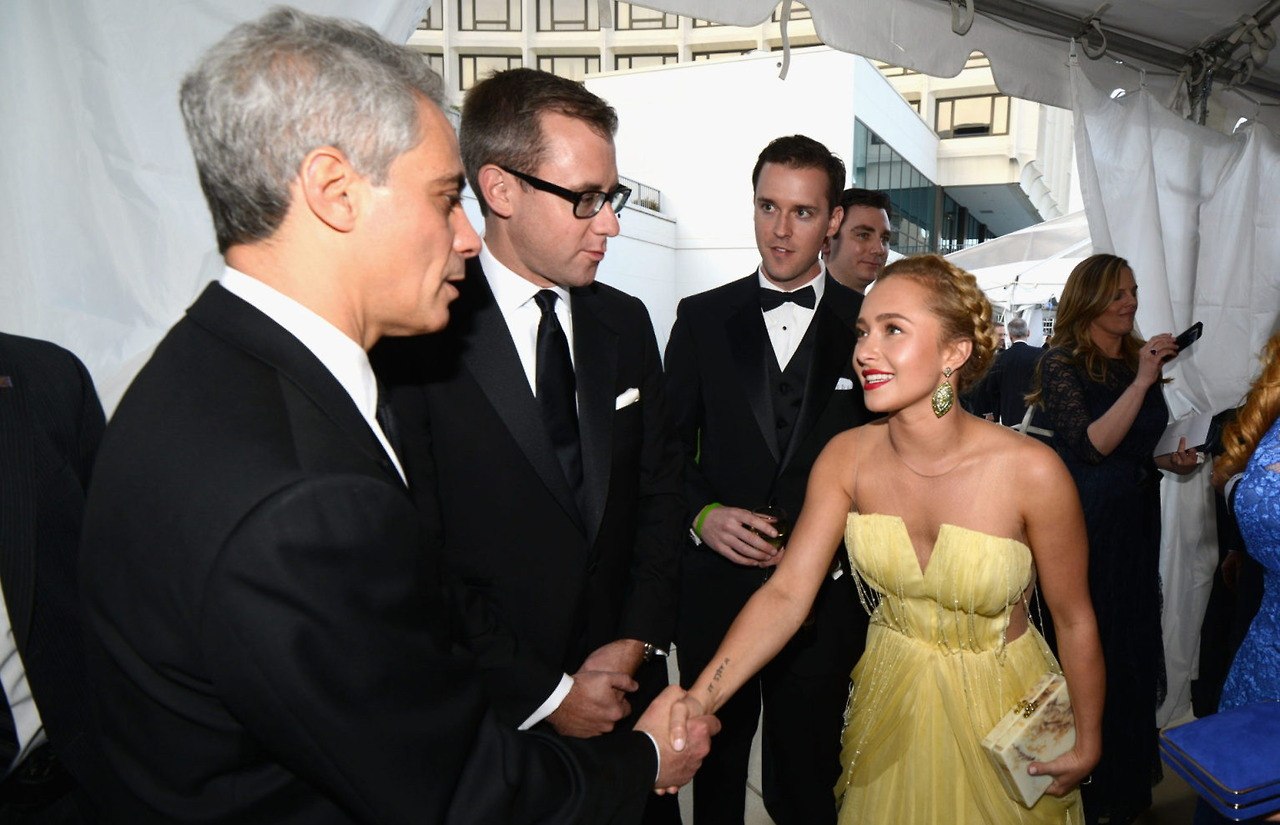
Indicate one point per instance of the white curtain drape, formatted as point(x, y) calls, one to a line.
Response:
point(1193, 212)
point(106, 238)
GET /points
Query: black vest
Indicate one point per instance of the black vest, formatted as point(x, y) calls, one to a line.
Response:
point(786, 386)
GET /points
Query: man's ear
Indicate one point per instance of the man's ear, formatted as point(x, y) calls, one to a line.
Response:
point(833, 225)
point(331, 188)
point(495, 188)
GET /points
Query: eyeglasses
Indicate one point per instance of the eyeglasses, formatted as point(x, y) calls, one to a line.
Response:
point(585, 204)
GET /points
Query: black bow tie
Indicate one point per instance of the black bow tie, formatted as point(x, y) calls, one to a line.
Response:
point(772, 298)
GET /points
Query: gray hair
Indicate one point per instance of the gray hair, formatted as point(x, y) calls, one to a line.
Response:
point(1018, 329)
point(274, 89)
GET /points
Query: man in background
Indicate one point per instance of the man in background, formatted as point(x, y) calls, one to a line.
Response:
point(541, 412)
point(760, 377)
point(857, 252)
point(269, 636)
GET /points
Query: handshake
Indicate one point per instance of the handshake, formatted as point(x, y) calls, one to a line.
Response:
point(683, 734)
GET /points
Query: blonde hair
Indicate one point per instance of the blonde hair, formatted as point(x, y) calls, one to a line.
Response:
point(959, 304)
point(1261, 407)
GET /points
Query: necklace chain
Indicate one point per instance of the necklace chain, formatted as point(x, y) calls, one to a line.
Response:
point(894, 448)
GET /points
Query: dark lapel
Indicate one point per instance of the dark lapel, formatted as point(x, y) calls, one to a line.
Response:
point(249, 329)
point(490, 356)
point(832, 350)
point(749, 346)
point(595, 353)
point(18, 498)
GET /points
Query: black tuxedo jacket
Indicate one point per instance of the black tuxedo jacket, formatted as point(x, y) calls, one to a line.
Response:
point(566, 574)
point(50, 425)
point(718, 386)
point(269, 640)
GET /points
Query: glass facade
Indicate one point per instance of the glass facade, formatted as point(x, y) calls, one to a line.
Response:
point(571, 66)
point(489, 16)
point(628, 17)
point(925, 218)
point(568, 16)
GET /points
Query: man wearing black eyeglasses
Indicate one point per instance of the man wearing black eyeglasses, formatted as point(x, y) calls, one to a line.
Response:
point(540, 414)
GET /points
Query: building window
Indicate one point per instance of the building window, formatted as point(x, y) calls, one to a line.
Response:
point(699, 23)
point(568, 16)
point(717, 54)
point(473, 67)
point(622, 62)
point(434, 19)
point(1046, 324)
point(798, 12)
point(489, 15)
point(571, 66)
point(436, 61)
point(972, 116)
point(627, 16)
point(913, 100)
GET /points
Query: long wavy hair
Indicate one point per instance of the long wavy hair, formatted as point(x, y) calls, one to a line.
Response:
point(1260, 410)
point(1089, 291)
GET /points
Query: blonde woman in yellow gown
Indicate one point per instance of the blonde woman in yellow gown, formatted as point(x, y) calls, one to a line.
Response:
point(949, 520)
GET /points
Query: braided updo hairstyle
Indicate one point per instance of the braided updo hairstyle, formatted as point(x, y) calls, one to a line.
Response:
point(962, 309)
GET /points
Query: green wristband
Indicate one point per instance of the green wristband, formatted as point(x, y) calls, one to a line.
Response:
point(702, 517)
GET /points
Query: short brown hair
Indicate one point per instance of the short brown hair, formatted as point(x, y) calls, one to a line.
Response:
point(801, 152)
point(502, 119)
point(959, 304)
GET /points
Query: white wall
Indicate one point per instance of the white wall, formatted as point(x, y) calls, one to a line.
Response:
point(694, 131)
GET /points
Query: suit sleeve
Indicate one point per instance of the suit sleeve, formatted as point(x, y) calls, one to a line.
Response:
point(329, 638)
point(650, 612)
point(684, 395)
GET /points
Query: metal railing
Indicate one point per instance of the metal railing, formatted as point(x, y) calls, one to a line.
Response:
point(643, 195)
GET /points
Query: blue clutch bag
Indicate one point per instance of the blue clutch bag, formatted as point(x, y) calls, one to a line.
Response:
point(1231, 759)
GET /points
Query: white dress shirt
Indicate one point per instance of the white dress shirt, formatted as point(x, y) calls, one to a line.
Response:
point(340, 355)
point(13, 677)
point(788, 323)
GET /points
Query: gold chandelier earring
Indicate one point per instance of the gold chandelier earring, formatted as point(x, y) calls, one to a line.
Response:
point(944, 396)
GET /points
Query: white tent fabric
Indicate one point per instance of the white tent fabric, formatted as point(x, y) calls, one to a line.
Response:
point(1028, 267)
point(1189, 208)
point(106, 238)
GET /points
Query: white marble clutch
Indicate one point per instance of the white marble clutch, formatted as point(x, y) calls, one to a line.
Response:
point(1040, 728)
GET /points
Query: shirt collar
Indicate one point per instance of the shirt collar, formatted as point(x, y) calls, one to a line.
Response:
point(343, 357)
point(818, 282)
point(511, 291)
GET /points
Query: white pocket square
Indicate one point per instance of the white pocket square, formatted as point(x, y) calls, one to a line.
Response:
point(844, 384)
point(628, 398)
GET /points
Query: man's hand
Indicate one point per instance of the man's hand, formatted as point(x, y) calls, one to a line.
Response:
point(677, 767)
point(621, 656)
point(735, 534)
point(594, 705)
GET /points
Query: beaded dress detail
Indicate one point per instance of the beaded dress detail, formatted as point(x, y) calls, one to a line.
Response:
point(937, 675)
point(1255, 673)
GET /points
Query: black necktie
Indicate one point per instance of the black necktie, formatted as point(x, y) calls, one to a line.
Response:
point(772, 298)
point(557, 389)
point(387, 421)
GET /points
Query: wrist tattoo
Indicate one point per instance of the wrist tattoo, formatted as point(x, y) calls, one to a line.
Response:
point(719, 672)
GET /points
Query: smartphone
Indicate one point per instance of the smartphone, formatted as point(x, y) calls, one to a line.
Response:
point(1189, 337)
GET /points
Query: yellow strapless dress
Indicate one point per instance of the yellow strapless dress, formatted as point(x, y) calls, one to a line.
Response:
point(937, 674)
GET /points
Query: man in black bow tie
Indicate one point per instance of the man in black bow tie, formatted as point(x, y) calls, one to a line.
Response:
point(760, 377)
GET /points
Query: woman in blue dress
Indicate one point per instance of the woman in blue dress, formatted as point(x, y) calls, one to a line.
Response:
point(1250, 468)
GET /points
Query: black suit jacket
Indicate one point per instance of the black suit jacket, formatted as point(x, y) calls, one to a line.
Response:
point(1004, 388)
point(718, 386)
point(269, 639)
point(565, 574)
point(50, 425)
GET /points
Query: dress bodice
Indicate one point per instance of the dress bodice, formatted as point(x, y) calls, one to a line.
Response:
point(1255, 673)
point(964, 597)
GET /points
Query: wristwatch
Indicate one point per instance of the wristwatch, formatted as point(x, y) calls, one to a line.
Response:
point(652, 651)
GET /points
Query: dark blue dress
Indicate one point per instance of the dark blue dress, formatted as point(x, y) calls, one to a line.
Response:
point(1120, 494)
point(1255, 673)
